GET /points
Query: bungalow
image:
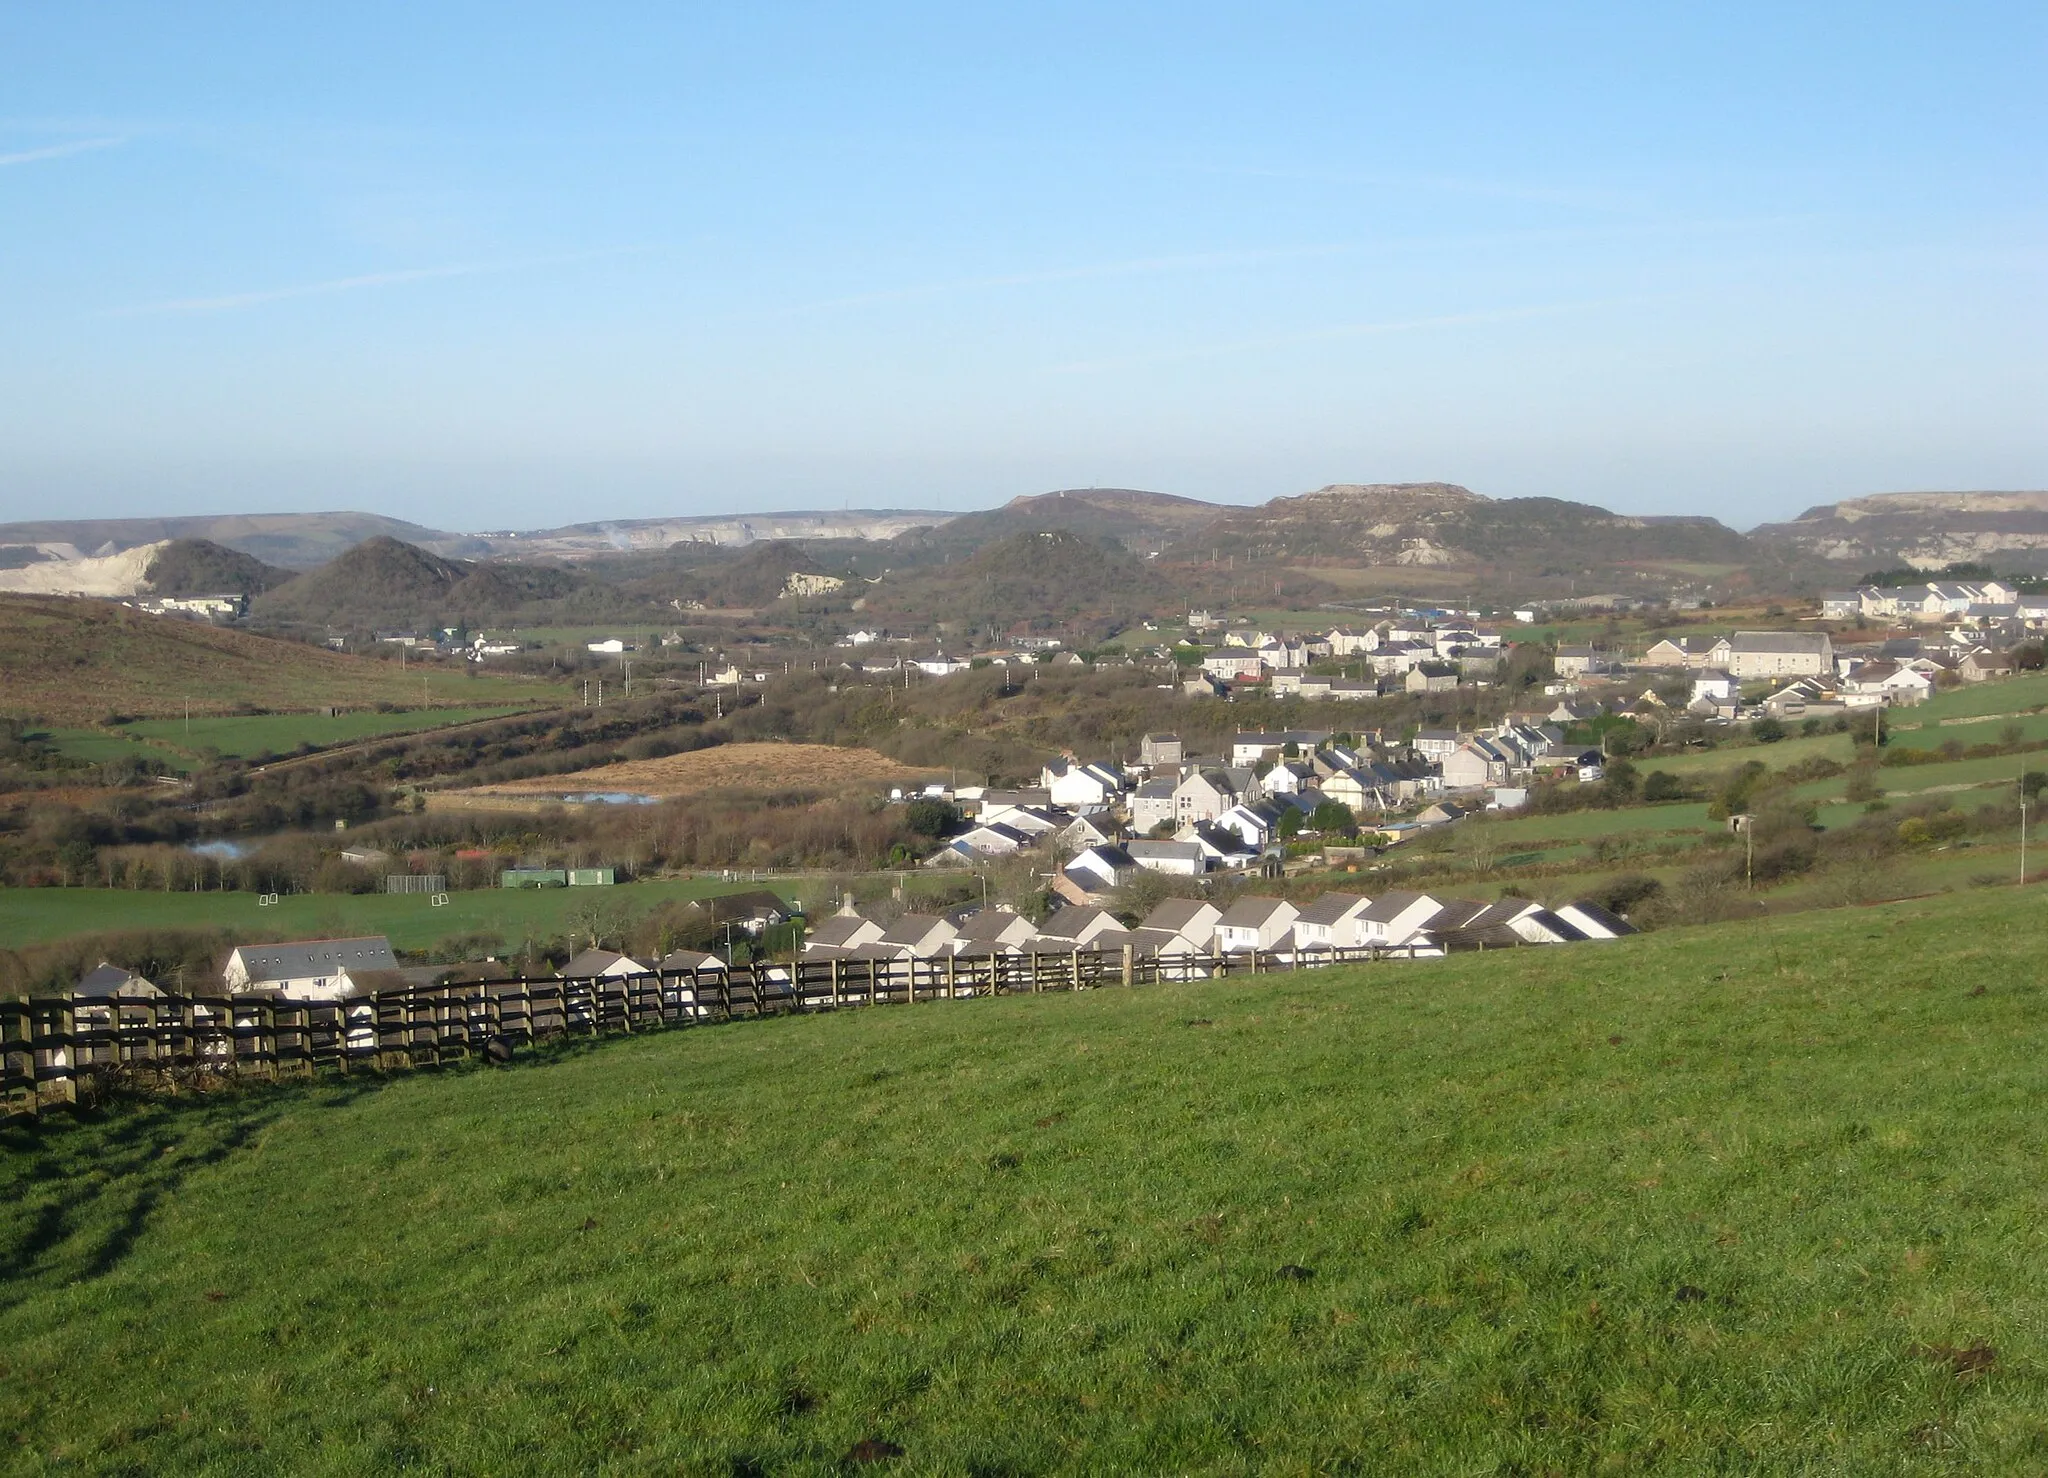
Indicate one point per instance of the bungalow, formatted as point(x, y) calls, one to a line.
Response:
point(1254, 924)
point(307, 969)
point(604, 964)
point(1175, 859)
point(1981, 666)
point(1894, 682)
point(114, 983)
point(992, 839)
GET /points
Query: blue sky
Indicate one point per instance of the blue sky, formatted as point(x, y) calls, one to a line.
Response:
point(501, 265)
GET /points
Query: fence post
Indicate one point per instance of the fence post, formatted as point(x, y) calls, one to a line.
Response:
point(1127, 964)
point(1034, 972)
point(835, 980)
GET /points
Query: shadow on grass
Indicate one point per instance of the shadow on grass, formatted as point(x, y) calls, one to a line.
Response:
point(77, 1189)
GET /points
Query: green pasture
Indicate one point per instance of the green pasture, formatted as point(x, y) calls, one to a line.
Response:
point(1579, 826)
point(2012, 695)
point(105, 746)
point(250, 735)
point(39, 915)
point(1763, 1199)
point(1698, 762)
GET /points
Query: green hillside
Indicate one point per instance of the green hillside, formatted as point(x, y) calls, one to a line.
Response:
point(1763, 1200)
point(72, 661)
point(202, 567)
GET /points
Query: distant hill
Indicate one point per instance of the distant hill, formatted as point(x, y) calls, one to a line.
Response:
point(1044, 578)
point(387, 582)
point(1927, 530)
point(297, 541)
point(1142, 522)
point(202, 567)
point(76, 661)
point(1436, 525)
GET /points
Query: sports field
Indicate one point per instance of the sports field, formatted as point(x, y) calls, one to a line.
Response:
point(1758, 1199)
point(35, 915)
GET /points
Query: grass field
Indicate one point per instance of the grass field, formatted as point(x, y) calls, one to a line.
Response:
point(38, 915)
point(724, 767)
point(104, 746)
point(281, 733)
point(1762, 1199)
point(73, 662)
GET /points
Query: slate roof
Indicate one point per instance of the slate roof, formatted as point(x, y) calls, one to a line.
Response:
point(306, 957)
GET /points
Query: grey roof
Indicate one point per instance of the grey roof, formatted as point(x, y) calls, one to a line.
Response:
point(691, 959)
point(1158, 790)
point(1390, 906)
point(109, 981)
point(1779, 641)
point(990, 923)
point(1251, 913)
point(1069, 922)
point(597, 961)
point(1185, 851)
point(1603, 917)
point(1175, 914)
point(1455, 913)
point(911, 928)
point(306, 957)
point(1330, 908)
point(836, 930)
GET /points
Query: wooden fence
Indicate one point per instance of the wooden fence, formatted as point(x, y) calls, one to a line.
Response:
point(51, 1049)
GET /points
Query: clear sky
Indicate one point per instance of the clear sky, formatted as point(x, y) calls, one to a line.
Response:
point(500, 265)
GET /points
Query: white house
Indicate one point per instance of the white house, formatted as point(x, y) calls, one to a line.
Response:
point(993, 931)
point(918, 936)
point(1392, 918)
point(841, 932)
point(1175, 859)
point(307, 969)
point(1254, 923)
point(1191, 919)
point(1077, 785)
point(604, 964)
point(1107, 865)
point(1593, 921)
point(1331, 922)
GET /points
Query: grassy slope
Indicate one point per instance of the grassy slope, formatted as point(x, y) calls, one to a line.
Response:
point(1702, 1201)
point(74, 661)
point(36, 915)
point(281, 733)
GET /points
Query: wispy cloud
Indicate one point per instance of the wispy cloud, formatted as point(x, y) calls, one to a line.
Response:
point(227, 302)
point(58, 151)
point(1334, 331)
point(1133, 267)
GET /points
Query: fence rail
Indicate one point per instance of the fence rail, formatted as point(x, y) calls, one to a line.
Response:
point(51, 1049)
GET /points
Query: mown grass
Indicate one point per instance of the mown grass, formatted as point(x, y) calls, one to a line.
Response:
point(1761, 1199)
point(38, 915)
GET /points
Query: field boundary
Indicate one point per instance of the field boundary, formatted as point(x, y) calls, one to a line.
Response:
point(61, 1051)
